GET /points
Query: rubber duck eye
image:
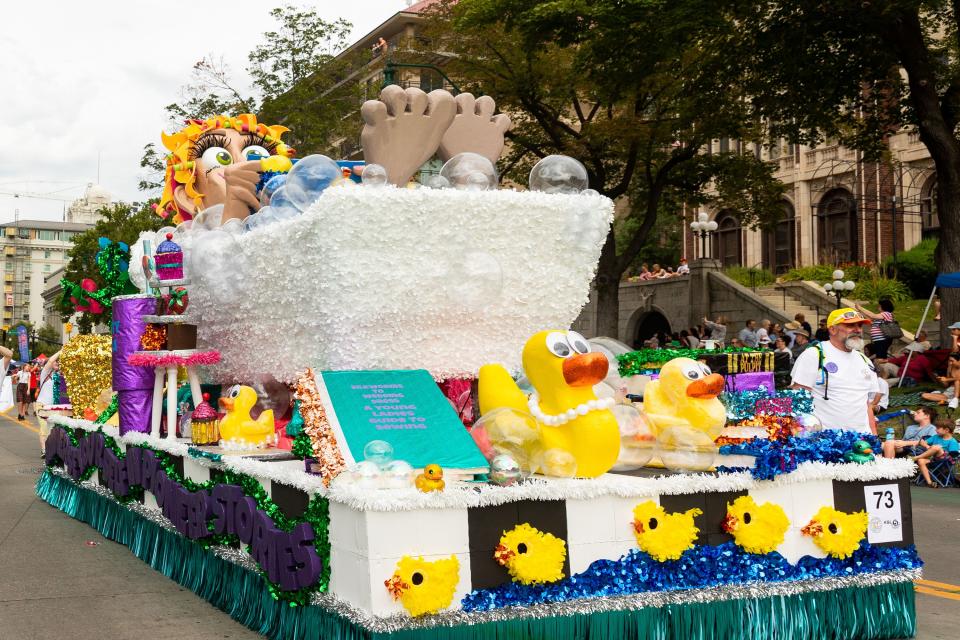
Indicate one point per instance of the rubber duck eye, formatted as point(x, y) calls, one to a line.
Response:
point(706, 370)
point(234, 392)
point(215, 157)
point(522, 548)
point(578, 342)
point(692, 373)
point(557, 345)
point(653, 524)
point(254, 152)
point(832, 528)
point(747, 518)
point(416, 578)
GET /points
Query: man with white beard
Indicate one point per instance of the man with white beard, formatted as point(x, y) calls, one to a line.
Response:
point(838, 375)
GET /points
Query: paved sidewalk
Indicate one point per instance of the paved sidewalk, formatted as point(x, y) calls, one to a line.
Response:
point(55, 584)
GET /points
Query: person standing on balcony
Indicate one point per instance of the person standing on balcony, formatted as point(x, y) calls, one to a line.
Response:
point(881, 343)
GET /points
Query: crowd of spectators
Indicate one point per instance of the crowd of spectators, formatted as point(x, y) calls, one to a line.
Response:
point(656, 272)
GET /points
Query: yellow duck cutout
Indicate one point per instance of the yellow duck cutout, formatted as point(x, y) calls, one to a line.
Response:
point(664, 536)
point(431, 479)
point(756, 528)
point(562, 370)
point(685, 395)
point(837, 533)
point(531, 556)
point(424, 586)
point(237, 425)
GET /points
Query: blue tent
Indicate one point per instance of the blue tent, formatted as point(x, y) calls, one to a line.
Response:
point(948, 280)
point(943, 281)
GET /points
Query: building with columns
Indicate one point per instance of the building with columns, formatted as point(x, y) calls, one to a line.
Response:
point(837, 208)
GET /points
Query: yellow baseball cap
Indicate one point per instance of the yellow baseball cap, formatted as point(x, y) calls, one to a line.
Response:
point(845, 316)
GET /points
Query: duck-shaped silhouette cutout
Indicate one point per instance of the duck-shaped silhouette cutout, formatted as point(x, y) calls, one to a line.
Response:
point(665, 536)
point(424, 586)
point(562, 369)
point(837, 533)
point(756, 528)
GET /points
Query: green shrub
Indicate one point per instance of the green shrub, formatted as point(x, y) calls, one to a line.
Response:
point(750, 277)
point(879, 288)
point(823, 273)
point(915, 268)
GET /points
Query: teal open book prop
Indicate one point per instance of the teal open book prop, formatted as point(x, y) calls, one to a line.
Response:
point(404, 407)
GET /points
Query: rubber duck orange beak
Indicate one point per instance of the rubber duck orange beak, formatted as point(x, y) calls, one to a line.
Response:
point(729, 524)
point(396, 586)
point(585, 369)
point(813, 529)
point(638, 526)
point(226, 403)
point(502, 554)
point(709, 387)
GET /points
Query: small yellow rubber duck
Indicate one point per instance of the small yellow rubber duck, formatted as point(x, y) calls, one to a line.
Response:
point(756, 528)
point(665, 536)
point(237, 425)
point(423, 586)
point(837, 533)
point(431, 479)
point(685, 395)
point(530, 555)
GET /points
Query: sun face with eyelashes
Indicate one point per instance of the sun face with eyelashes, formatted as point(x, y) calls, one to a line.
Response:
point(202, 150)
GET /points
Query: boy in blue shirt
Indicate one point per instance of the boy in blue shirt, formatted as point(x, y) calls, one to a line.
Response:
point(939, 446)
point(923, 429)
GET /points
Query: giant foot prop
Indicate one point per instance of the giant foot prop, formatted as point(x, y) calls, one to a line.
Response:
point(402, 129)
point(475, 129)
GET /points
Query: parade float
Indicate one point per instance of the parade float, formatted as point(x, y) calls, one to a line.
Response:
point(386, 429)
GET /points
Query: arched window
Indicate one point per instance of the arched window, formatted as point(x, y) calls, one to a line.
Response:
point(929, 219)
point(727, 240)
point(837, 228)
point(779, 243)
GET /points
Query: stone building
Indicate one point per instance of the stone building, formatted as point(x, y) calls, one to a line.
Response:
point(837, 208)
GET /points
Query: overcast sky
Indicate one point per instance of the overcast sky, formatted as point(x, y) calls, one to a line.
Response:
point(88, 77)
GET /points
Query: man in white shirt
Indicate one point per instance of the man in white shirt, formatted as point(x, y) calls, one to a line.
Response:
point(684, 268)
point(748, 335)
point(838, 375)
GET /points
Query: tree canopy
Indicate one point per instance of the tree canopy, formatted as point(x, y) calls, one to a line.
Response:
point(633, 89)
point(120, 223)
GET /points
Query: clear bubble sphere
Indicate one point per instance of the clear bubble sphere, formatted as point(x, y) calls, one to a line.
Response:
point(379, 452)
point(558, 174)
point(461, 171)
point(637, 441)
point(437, 182)
point(397, 474)
point(557, 463)
point(308, 178)
point(682, 449)
point(807, 424)
point(374, 175)
point(507, 431)
point(274, 183)
point(504, 470)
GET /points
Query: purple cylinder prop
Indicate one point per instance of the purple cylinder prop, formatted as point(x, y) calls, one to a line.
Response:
point(134, 385)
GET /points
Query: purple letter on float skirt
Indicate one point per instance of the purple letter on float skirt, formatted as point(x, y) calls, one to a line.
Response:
point(128, 327)
point(135, 408)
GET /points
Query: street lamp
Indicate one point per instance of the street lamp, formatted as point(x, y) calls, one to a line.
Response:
point(838, 287)
point(704, 228)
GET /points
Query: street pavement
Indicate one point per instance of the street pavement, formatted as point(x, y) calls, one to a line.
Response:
point(61, 579)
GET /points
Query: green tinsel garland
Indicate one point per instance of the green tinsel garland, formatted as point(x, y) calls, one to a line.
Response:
point(882, 611)
point(109, 411)
point(634, 362)
point(302, 447)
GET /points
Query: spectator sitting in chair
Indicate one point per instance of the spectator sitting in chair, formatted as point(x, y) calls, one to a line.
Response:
point(920, 367)
point(923, 429)
point(951, 381)
point(939, 446)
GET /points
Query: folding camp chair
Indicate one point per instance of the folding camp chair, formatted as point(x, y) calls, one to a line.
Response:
point(941, 472)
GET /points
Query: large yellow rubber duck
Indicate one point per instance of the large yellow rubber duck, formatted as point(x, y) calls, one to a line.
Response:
point(237, 425)
point(685, 395)
point(562, 370)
